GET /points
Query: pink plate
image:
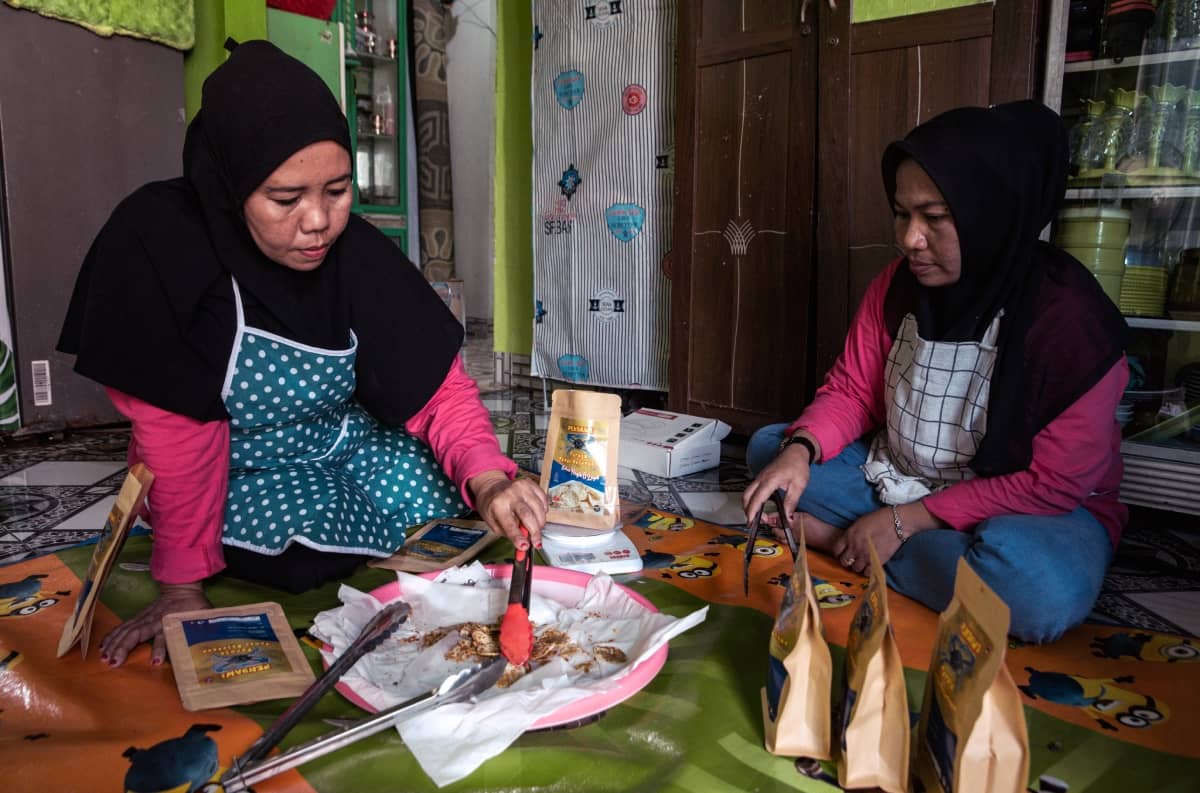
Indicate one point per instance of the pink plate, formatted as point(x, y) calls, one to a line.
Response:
point(565, 586)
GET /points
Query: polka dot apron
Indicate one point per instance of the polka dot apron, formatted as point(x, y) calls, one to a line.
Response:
point(307, 464)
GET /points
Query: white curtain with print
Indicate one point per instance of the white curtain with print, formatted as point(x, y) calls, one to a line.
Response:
point(603, 134)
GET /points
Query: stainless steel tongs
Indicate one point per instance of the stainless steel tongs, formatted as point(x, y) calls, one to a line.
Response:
point(752, 535)
point(254, 766)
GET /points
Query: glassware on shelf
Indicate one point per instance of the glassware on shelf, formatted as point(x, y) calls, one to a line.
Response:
point(1191, 133)
point(1117, 130)
point(364, 169)
point(1091, 150)
point(1164, 156)
point(1081, 141)
point(364, 34)
point(385, 109)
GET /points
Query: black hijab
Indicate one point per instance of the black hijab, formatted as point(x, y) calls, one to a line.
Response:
point(1002, 171)
point(152, 313)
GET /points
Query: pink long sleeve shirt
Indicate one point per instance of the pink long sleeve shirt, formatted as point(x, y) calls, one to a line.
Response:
point(190, 462)
point(1076, 457)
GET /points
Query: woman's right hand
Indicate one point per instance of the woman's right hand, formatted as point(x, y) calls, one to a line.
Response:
point(147, 625)
point(787, 472)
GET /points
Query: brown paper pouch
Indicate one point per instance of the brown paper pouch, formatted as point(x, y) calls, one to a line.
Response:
point(579, 472)
point(874, 746)
point(795, 702)
point(235, 656)
point(967, 658)
point(438, 545)
point(997, 752)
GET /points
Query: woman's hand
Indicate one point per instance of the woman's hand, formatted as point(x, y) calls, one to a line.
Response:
point(787, 472)
point(851, 548)
point(508, 504)
point(147, 625)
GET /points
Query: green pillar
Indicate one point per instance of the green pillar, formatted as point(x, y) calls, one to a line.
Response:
point(513, 269)
point(216, 20)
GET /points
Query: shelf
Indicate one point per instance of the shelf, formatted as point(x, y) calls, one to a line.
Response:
point(367, 57)
point(1157, 323)
point(1119, 191)
point(1168, 452)
point(373, 136)
point(1132, 62)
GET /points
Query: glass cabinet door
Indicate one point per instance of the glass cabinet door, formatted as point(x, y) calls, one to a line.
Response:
point(376, 63)
point(1129, 92)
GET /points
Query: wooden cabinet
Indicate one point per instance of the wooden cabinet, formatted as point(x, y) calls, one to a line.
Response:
point(746, 132)
point(780, 216)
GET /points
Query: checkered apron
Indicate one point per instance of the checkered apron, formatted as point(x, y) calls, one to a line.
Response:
point(937, 398)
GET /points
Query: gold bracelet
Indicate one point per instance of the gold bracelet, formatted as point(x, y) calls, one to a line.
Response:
point(899, 527)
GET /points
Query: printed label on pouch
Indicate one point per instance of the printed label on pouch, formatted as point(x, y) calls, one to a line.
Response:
point(229, 648)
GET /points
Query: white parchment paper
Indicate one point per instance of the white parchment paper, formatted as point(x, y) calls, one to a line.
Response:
point(453, 740)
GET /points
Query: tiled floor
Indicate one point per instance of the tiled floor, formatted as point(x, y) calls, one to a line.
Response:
point(56, 492)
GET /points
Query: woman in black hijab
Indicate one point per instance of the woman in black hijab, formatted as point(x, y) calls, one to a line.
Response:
point(971, 413)
point(292, 381)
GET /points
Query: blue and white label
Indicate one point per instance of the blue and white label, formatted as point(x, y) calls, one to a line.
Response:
point(570, 181)
point(625, 221)
point(574, 368)
point(568, 88)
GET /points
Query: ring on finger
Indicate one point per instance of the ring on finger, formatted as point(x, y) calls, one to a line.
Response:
point(848, 561)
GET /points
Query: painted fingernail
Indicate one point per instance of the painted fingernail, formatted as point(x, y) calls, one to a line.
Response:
point(156, 661)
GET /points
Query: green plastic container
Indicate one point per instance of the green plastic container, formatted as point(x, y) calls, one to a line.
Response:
point(1101, 261)
point(1092, 227)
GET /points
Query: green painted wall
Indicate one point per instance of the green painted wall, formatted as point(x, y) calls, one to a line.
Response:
point(215, 21)
point(871, 10)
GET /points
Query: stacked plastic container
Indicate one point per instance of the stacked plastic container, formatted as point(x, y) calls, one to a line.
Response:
point(1096, 236)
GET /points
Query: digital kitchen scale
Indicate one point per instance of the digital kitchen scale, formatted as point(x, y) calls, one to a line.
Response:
point(589, 550)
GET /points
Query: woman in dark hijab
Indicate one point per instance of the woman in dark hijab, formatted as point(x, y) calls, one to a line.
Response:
point(292, 381)
point(972, 412)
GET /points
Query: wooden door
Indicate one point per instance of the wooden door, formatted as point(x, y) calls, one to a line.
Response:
point(878, 80)
point(742, 244)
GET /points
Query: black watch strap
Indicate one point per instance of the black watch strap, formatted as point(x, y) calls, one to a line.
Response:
point(803, 441)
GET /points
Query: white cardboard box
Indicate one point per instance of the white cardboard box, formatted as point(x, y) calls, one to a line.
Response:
point(670, 444)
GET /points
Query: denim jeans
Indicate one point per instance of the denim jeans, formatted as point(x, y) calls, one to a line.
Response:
point(1047, 568)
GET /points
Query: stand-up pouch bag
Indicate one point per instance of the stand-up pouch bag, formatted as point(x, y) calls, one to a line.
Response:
point(972, 734)
point(874, 747)
point(579, 472)
point(796, 700)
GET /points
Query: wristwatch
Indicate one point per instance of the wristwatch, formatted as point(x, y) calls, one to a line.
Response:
point(803, 441)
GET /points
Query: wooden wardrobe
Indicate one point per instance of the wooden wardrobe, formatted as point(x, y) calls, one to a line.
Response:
point(783, 110)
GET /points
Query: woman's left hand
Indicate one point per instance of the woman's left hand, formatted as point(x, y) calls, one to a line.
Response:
point(506, 505)
point(851, 548)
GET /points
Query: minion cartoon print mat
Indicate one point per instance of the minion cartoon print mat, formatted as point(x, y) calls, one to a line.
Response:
point(1108, 709)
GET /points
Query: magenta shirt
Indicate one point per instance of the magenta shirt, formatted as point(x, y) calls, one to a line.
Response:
point(1076, 457)
point(190, 462)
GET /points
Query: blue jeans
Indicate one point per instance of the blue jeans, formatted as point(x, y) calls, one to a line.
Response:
point(1047, 568)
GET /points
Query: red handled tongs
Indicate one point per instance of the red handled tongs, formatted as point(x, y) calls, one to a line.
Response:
point(752, 536)
point(516, 631)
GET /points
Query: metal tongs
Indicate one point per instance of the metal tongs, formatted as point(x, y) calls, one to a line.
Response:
point(752, 532)
point(253, 766)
